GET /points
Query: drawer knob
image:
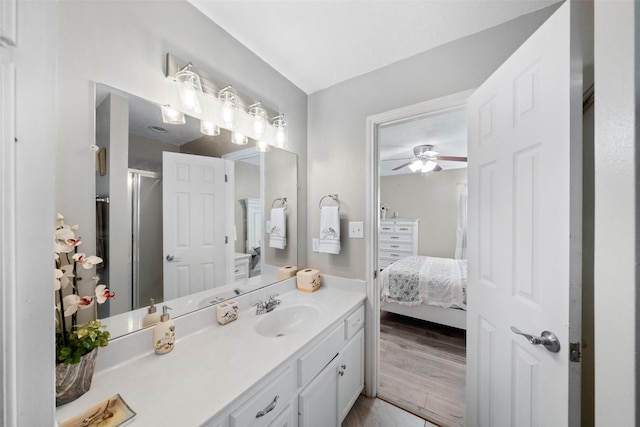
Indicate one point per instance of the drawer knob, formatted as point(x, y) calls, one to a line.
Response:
point(269, 408)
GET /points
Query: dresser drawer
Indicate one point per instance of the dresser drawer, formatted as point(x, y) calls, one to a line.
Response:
point(263, 408)
point(393, 256)
point(394, 237)
point(396, 246)
point(312, 362)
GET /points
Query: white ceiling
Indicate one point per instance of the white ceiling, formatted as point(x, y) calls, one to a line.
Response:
point(318, 43)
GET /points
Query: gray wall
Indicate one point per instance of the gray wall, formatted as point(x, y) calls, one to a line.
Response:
point(431, 198)
point(337, 115)
point(123, 44)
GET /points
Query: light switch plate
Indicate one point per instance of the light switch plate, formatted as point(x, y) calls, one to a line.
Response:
point(356, 229)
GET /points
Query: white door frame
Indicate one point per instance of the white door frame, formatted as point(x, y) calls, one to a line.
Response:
point(435, 106)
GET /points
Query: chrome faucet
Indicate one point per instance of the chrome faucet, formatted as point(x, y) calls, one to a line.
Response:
point(263, 307)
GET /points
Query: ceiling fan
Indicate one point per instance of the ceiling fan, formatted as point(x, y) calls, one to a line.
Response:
point(426, 160)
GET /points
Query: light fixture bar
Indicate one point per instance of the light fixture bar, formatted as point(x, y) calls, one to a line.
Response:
point(212, 86)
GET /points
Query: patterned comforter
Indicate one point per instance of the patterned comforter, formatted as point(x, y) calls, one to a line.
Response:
point(426, 280)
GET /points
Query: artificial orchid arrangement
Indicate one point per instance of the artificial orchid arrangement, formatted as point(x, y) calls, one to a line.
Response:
point(73, 340)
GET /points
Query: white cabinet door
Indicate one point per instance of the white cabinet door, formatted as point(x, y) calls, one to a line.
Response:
point(318, 402)
point(285, 419)
point(350, 374)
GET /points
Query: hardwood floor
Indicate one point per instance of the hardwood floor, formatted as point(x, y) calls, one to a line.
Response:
point(373, 412)
point(423, 368)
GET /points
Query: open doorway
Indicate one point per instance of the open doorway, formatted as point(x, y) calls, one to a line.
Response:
point(421, 333)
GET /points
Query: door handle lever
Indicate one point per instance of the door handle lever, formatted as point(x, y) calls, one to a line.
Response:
point(548, 339)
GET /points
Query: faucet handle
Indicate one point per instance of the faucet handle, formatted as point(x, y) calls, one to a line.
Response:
point(273, 300)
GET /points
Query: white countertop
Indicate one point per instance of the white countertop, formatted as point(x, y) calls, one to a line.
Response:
point(211, 368)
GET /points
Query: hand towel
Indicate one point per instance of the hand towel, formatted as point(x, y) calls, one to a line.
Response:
point(277, 232)
point(329, 230)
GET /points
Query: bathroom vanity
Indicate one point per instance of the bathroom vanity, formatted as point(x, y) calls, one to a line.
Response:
point(301, 364)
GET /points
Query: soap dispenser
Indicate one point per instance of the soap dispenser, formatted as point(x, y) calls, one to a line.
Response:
point(152, 317)
point(164, 333)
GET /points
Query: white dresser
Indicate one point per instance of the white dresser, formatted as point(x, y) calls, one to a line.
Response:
point(398, 239)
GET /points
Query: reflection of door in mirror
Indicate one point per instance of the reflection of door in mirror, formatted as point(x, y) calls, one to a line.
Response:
point(196, 247)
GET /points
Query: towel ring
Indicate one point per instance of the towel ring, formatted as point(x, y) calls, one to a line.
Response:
point(282, 200)
point(333, 196)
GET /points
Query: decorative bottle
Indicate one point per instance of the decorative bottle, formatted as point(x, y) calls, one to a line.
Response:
point(164, 335)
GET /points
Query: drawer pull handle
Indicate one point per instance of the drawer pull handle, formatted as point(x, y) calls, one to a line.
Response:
point(395, 237)
point(395, 255)
point(395, 246)
point(269, 408)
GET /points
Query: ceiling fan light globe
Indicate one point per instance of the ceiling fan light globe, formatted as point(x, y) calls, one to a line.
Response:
point(416, 165)
point(429, 165)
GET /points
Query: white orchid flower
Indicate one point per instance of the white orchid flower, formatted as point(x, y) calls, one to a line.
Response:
point(87, 261)
point(57, 275)
point(74, 302)
point(103, 294)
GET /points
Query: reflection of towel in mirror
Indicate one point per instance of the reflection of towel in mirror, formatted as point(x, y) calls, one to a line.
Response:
point(277, 230)
point(329, 230)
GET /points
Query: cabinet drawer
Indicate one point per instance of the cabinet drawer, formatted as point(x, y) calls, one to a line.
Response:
point(320, 355)
point(396, 238)
point(262, 408)
point(353, 323)
point(396, 246)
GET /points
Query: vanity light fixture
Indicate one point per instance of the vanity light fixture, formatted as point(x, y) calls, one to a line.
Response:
point(172, 116)
point(189, 86)
point(229, 103)
point(259, 117)
point(239, 138)
point(281, 130)
point(209, 128)
point(225, 106)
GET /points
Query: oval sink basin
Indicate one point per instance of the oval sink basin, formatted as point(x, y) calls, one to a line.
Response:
point(287, 320)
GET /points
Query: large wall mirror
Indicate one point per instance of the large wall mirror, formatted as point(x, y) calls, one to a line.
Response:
point(182, 217)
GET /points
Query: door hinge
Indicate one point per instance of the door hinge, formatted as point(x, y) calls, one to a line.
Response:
point(226, 178)
point(575, 352)
point(226, 239)
point(375, 274)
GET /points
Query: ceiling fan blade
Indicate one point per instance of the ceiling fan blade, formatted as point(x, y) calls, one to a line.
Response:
point(401, 166)
point(436, 169)
point(452, 158)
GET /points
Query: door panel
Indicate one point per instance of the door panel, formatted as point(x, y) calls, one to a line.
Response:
point(195, 223)
point(524, 169)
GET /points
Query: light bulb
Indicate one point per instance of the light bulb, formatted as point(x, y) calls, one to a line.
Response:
point(209, 128)
point(262, 146)
point(281, 131)
point(189, 86)
point(228, 112)
point(239, 138)
point(172, 116)
point(259, 120)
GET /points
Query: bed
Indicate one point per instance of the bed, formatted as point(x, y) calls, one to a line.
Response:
point(428, 288)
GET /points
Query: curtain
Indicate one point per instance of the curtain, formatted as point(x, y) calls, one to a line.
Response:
point(461, 231)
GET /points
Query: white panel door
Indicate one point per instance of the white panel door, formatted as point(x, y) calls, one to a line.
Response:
point(194, 223)
point(524, 234)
